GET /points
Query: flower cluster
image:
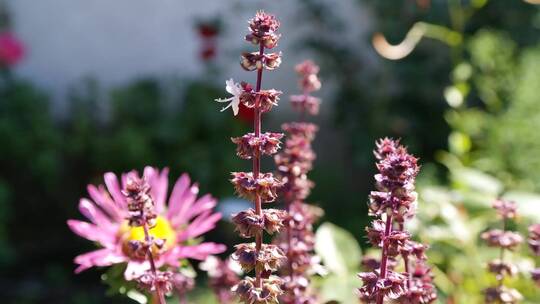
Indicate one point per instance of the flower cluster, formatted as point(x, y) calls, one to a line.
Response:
point(208, 31)
point(222, 276)
point(142, 214)
point(393, 203)
point(534, 245)
point(293, 164)
point(504, 240)
point(131, 220)
point(266, 143)
point(256, 186)
point(249, 223)
point(309, 82)
point(420, 287)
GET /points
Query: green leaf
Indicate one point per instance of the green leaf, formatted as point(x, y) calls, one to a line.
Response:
point(476, 180)
point(338, 249)
point(459, 143)
point(339, 288)
point(137, 296)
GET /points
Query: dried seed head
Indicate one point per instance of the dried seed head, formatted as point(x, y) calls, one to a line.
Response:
point(249, 223)
point(268, 259)
point(267, 143)
point(503, 239)
point(249, 293)
point(506, 209)
point(248, 187)
point(534, 239)
point(309, 81)
point(140, 204)
point(535, 276)
point(502, 294)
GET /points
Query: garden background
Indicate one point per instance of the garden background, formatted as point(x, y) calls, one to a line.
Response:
point(116, 85)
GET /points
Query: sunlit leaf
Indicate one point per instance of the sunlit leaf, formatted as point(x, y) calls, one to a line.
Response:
point(137, 296)
point(338, 249)
point(339, 288)
point(476, 180)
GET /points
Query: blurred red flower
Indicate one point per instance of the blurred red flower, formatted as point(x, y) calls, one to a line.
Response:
point(11, 49)
point(246, 114)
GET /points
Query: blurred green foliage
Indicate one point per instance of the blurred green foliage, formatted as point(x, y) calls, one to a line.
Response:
point(483, 83)
point(47, 161)
point(473, 94)
point(341, 255)
point(451, 219)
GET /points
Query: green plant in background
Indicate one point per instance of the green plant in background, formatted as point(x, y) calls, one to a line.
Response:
point(341, 256)
point(452, 219)
point(492, 76)
point(492, 114)
point(56, 156)
point(467, 53)
point(6, 253)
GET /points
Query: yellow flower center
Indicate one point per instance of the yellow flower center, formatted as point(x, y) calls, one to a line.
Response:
point(162, 230)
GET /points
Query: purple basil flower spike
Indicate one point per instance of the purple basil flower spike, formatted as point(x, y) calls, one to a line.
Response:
point(393, 203)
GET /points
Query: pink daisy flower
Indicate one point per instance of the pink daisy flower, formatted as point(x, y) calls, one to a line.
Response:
point(180, 220)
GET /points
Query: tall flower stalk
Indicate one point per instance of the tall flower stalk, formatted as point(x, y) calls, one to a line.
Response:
point(258, 187)
point(505, 240)
point(393, 204)
point(293, 164)
point(142, 214)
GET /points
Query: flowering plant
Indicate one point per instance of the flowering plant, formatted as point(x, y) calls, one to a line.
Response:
point(504, 240)
point(394, 203)
point(293, 164)
point(133, 223)
point(256, 186)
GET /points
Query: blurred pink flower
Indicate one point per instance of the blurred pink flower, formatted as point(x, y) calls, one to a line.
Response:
point(184, 218)
point(11, 49)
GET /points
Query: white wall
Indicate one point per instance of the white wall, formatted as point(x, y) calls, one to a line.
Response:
point(117, 40)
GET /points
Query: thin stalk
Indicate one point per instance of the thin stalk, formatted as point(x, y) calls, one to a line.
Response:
point(384, 258)
point(406, 261)
point(407, 270)
point(289, 204)
point(257, 165)
point(501, 254)
point(289, 241)
point(302, 112)
point(153, 268)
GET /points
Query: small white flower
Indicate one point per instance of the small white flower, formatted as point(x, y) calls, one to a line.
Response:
point(234, 89)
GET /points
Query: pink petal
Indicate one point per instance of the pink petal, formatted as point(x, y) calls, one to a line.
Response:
point(159, 183)
point(135, 269)
point(197, 252)
point(101, 257)
point(114, 189)
point(102, 199)
point(205, 203)
point(95, 215)
point(181, 191)
point(184, 203)
point(202, 224)
point(92, 232)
